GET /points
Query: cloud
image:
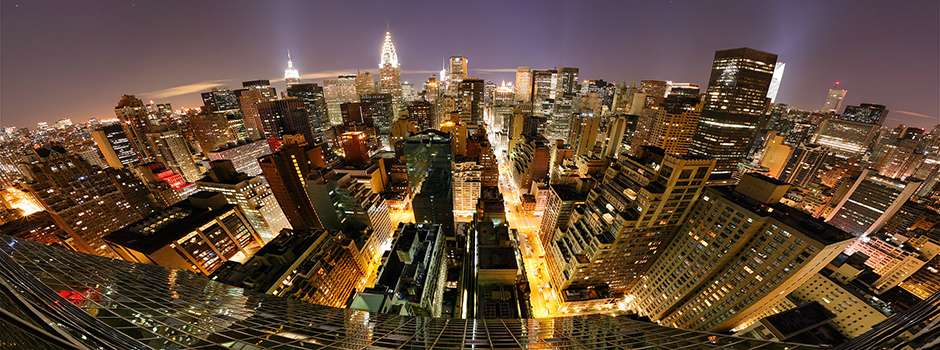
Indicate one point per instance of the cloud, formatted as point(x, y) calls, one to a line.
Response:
point(185, 89)
point(916, 114)
point(496, 70)
point(419, 72)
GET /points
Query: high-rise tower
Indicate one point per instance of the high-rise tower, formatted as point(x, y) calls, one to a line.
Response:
point(734, 102)
point(834, 100)
point(389, 70)
point(291, 76)
point(775, 81)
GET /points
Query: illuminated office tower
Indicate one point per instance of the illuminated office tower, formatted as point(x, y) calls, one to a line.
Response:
point(654, 88)
point(286, 171)
point(734, 102)
point(355, 113)
point(503, 95)
point(175, 153)
point(467, 176)
point(211, 129)
point(38, 276)
point(616, 134)
point(223, 101)
point(529, 161)
point(675, 122)
point(285, 117)
point(625, 224)
point(854, 315)
point(561, 204)
point(316, 266)
point(567, 81)
point(583, 133)
point(40, 227)
point(115, 146)
point(847, 139)
point(432, 89)
point(401, 128)
point(408, 92)
point(344, 202)
point(383, 111)
point(138, 120)
point(390, 71)
point(338, 91)
point(428, 158)
point(738, 253)
point(775, 82)
point(523, 87)
point(250, 193)
point(244, 155)
point(803, 166)
point(866, 113)
point(871, 201)
point(198, 234)
point(83, 198)
point(315, 103)
point(356, 146)
point(365, 84)
point(458, 72)
point(834, 100)
point(470, 100)
point(252, 93)
point(291, 75)
point(543, 86)
point(422, 113)
point(775, 154)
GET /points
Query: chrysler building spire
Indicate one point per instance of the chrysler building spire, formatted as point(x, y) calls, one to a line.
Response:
point(388, 52)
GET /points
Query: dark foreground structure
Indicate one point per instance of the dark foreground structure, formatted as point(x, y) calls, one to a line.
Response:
point(52, 298)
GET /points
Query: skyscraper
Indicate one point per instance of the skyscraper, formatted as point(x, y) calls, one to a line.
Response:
point(567, 81)
point(138, 120)
point(866, 113)
point(738, 253)
point(523, 87)
point(390, 70)
point(175, 153)
point(286, 171)
point(285, 117)
point(251, 193)
point(470, 100)
point(291, 76)
point(834, 100)
point(871, 201)
point(365, 84)
point(428, 158)
point(458, 72)
point(804, 164)
point(628, 222)
point(252, 93)
point(734, 102)
point(675, 122)
point(198, 234)
point(338, 91)
point(115, 146)
point(775, 81)
point(84, 198)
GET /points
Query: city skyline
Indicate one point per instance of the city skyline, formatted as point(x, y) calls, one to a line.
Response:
point(817, 48)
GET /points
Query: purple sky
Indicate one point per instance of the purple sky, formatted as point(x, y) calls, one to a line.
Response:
point(74, 59)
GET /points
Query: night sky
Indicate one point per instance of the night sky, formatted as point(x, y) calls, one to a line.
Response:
point(74, 59)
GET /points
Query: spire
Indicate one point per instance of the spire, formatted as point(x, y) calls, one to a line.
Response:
point(291, 75)
point(389, 56)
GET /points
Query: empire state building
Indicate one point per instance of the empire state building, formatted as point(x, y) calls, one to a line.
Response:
point(390, 71)
point(291, 75)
